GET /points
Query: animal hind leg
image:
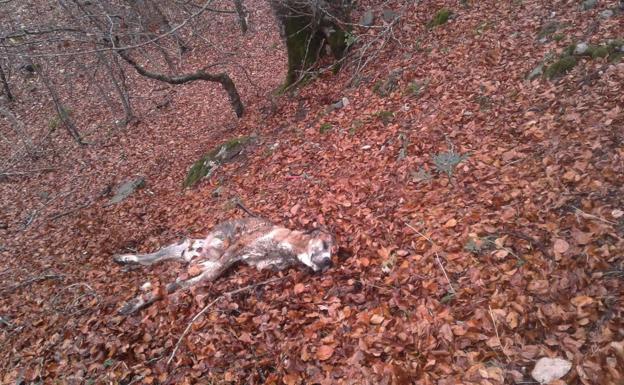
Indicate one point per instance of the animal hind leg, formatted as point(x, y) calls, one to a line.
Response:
point(211, 270)
point(186, 250)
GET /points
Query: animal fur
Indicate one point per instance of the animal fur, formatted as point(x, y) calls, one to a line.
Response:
point(254, 241)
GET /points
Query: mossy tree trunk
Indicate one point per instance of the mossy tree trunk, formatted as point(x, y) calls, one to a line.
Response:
point(308, 29)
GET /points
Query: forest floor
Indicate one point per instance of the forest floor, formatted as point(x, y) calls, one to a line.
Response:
point(481, 215)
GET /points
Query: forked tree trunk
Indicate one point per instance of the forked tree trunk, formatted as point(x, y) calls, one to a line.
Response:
point(309, 25)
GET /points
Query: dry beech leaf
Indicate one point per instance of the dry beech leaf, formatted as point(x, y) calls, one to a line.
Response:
point(376, 319)
point(291, 379)
point(581, 300)
point(324, 352)
point(560, 246)
point(580, 237)
point(299, 288)
point(451, 223)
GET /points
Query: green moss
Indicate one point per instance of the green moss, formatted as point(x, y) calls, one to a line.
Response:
point(386, 116)
point(569, 50)
point(325, 127)
point(417, 87)
point(208, 163)
point(616, 57)
point(559, 37)
point(560, 67)
point(597, 51)
point(337, 41)
point(441, 17)
point(548, 29)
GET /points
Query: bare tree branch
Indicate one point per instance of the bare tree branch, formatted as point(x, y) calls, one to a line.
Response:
point(221, 78)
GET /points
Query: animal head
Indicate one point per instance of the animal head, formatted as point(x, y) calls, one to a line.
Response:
point(318, 250)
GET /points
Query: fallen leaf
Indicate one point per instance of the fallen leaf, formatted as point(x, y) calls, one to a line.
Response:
point(291, 379)
point(580, 237)
point(376, 319)
point(450, 223)
point(581, 300)
point(324, 352)
point(560, 246)
point(299, 288)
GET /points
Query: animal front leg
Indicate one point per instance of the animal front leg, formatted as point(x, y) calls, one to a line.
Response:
point(186, 251)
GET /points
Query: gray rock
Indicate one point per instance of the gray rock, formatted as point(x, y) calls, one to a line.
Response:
point(550, 369)
point(368, 18)
point(537, 72)
point(581, 48)
point(607, 13)
point(589, 4)
point(126, 189)
point(389, 15)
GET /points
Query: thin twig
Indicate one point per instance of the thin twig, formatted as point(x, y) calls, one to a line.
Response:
point(205, 308)
point(31, 280)
point(451, 288)
point(592, 216)
point(500, 343)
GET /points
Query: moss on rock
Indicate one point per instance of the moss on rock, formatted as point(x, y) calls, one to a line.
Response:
point(562, 66)
point(208, 163)
point(441, 17)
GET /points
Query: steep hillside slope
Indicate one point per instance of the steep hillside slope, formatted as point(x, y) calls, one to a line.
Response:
point(480, 217)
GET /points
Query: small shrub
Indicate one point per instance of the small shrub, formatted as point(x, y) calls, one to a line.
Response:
point(441, 17)
point(417, 87)
point(445, 162)
point(421, 175)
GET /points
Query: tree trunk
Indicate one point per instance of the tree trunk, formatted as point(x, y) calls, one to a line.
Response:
point(61, 111)
point(5, 84)
point(308, 27)
point(242, 15)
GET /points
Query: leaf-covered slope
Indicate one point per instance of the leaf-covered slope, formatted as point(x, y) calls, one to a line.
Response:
point(462, 278)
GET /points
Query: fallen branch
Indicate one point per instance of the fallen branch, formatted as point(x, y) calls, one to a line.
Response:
point(592, 216)
point(27, 172)
point(31, 281)
point(205, 308)
point(451, 288)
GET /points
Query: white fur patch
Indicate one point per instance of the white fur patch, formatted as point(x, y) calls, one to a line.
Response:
point(264, 264)
point(268, 236)
point(199, 243)
point(216, 243)
point(210, 265)
point(306, 259)
point(146, 286)
point(127, 258)
point(286, 246)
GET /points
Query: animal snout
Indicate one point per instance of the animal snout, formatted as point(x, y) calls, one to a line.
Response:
point(325, 264)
